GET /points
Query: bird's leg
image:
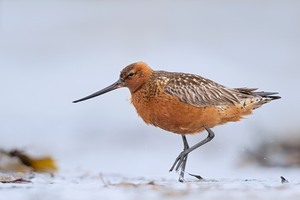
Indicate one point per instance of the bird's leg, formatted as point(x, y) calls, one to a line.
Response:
point(181, 157)
point(182, 170)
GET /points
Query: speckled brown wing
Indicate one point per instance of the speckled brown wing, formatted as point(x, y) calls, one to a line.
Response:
point(199, 91)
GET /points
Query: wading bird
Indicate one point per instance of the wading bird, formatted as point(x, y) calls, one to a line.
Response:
point(184, 103)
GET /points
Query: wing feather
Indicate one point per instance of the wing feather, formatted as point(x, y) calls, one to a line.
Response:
point(199, 91)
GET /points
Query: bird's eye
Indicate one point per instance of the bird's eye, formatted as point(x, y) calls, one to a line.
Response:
point(131, 74)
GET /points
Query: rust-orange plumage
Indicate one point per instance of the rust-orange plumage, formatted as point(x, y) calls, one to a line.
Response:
point(184, 103)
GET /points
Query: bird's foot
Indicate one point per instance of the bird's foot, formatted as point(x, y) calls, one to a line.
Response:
point(197, 176)
point(181, 179)
point(179, 161)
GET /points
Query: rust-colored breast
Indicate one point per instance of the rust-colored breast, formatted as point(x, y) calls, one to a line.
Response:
point(170, 114)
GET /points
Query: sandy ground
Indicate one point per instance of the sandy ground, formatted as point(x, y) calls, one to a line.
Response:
point(110, 186)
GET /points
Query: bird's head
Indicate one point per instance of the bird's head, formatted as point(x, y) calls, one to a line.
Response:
point(132, 76)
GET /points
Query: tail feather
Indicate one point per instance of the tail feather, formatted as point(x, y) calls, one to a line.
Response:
point(268, 95)
point(251, 91)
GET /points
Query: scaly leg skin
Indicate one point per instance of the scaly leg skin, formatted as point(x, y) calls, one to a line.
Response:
point(182, 169)
point(181, 159)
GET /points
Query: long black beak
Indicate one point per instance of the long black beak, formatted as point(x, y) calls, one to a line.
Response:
point(113, 86)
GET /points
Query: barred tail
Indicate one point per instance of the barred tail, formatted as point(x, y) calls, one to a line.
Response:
point(268, 95)
point(254, 99)
point(252, 91)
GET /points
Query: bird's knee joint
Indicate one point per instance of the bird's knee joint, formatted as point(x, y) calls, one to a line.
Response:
point(211, 136)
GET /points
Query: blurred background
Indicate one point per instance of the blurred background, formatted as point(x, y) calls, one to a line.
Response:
point(54, 52)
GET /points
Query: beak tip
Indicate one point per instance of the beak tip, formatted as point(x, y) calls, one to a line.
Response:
point(114, 86)
point(76, 101)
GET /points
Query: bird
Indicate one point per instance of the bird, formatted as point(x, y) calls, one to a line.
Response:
point(184, 103)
